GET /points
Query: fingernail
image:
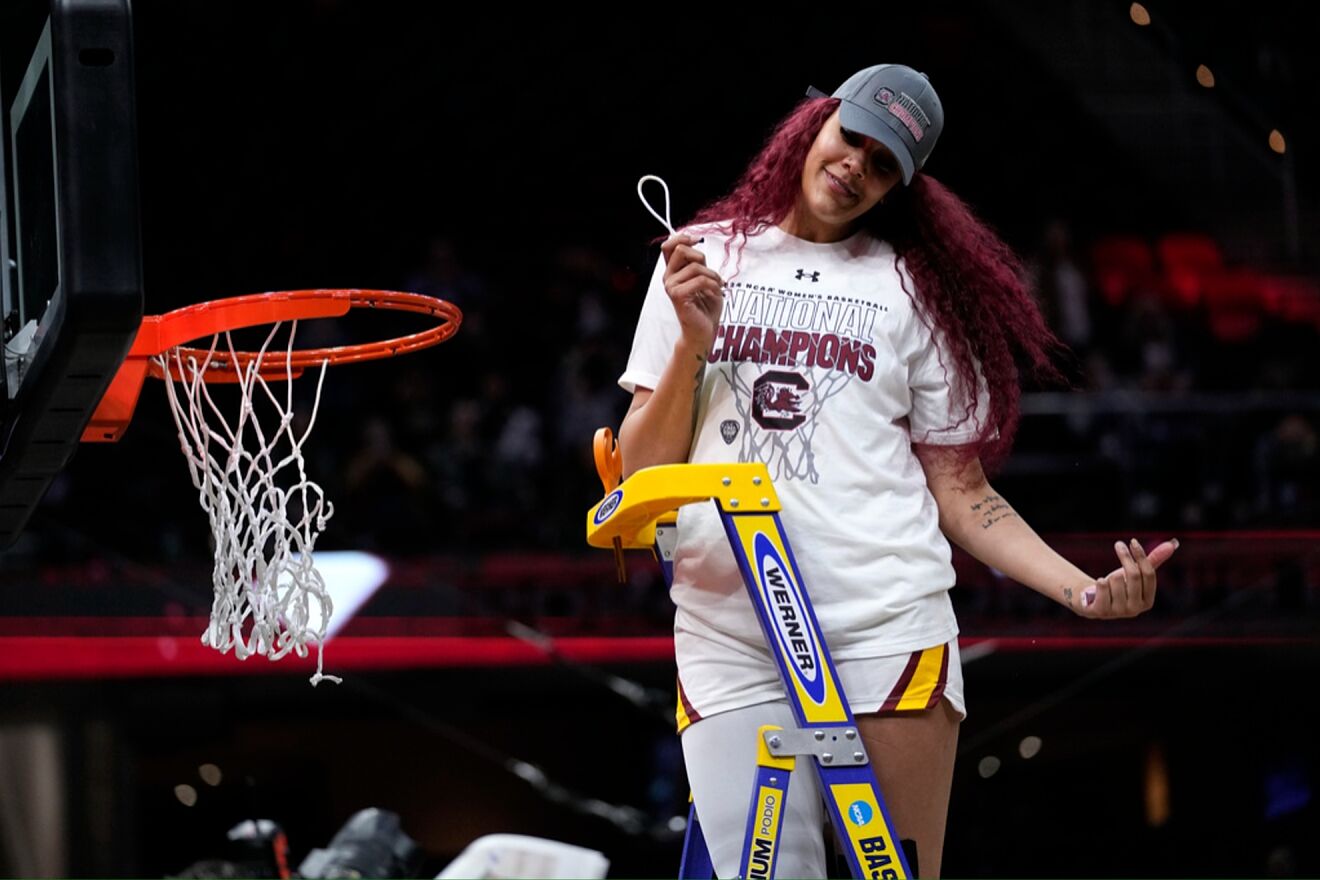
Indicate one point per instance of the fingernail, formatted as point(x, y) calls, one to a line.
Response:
point(1118, 545)
point(1175, 543)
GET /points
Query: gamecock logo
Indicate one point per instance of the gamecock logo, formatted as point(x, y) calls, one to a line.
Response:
point(777, 400)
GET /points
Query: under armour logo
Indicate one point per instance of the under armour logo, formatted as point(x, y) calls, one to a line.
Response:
point(803, 273)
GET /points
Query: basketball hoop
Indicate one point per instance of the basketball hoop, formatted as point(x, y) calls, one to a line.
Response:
point(265, 512)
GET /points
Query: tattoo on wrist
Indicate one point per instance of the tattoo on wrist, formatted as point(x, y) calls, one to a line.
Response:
point(991, 509)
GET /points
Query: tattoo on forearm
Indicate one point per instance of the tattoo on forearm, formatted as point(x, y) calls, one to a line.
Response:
point(696, 388)
point(991, 509)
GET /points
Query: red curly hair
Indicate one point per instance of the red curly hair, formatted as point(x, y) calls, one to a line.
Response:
point(968, 283)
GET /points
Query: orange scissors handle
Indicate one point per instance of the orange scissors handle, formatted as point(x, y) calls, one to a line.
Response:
point(609, 459)
point(609, 465)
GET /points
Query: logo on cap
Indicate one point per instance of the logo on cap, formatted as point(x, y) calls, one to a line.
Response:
point(884, 96)
point(909, 113)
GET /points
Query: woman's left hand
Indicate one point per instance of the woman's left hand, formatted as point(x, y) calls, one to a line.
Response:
point(1130, 589)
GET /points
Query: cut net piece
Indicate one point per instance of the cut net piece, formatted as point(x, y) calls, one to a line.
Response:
point(265, 513)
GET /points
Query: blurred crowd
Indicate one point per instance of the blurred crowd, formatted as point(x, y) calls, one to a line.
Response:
point(1196, 387)
point(1191, 406)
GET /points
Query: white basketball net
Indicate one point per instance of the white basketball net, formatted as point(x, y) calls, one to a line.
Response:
point(265, 513)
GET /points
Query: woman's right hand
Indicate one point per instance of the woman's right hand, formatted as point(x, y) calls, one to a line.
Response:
point(695, 289)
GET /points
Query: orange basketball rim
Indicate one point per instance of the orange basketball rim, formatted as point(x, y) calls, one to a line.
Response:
point(168, 333)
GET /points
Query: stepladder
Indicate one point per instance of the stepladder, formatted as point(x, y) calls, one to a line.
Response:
point(640, 513)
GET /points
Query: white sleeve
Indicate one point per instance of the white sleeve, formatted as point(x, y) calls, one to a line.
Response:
point(939, 414)
point(658, 331)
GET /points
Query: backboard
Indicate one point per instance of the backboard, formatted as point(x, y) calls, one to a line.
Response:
point(71, 285)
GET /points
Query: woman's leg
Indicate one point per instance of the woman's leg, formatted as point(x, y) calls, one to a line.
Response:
point(720, 753)
point(913, 753)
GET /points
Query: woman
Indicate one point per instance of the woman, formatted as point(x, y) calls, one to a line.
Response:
point(844, 318)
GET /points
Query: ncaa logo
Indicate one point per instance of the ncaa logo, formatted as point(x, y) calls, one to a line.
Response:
point(608, 506)
point(790, 624)
point(859, 812)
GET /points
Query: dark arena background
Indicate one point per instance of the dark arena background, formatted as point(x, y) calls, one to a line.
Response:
point(1158, 167)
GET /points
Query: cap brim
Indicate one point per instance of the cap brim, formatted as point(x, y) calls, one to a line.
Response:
point(813, 92)
point(854, 118)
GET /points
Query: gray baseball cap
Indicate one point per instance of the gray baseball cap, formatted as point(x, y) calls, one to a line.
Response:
point(897, 106)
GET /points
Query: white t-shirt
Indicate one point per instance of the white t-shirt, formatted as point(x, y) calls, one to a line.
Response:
point(823, 370)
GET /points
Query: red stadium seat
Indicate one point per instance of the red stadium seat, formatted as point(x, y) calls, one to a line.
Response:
point(1187, 259)
point(1235, 303)
point(1292, 298)
point(1120, 263)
